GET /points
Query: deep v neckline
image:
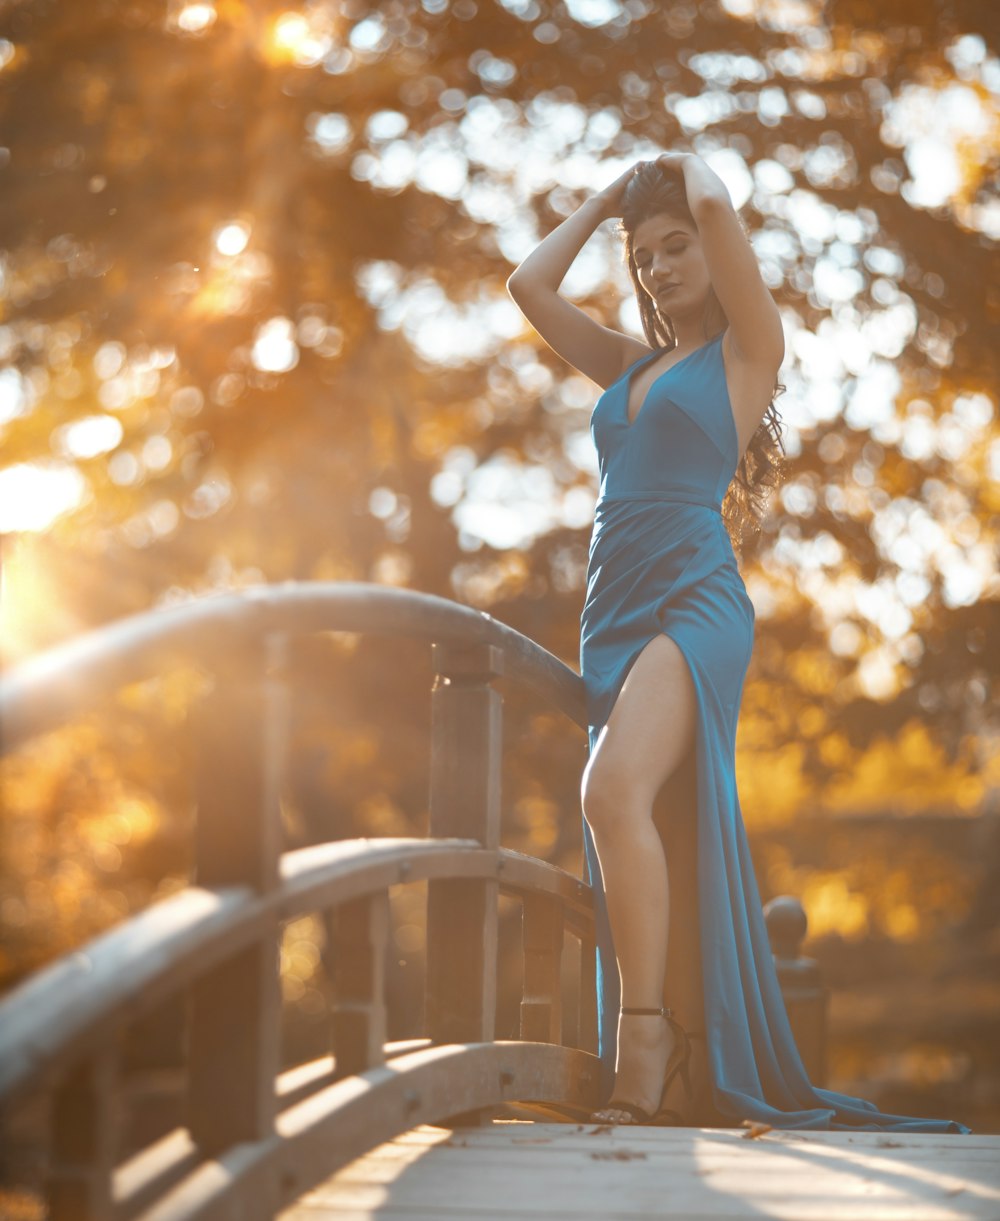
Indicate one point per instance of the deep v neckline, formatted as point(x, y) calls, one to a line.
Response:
point(643, 360)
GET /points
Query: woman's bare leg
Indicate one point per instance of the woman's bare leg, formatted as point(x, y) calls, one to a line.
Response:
point(648, 733)
point(675, 813)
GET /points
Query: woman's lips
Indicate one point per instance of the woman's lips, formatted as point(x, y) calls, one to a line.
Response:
point(669, 289)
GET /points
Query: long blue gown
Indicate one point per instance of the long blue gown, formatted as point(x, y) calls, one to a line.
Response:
point(661, 560)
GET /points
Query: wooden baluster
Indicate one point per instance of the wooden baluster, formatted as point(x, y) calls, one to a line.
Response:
point(464, 801)
point(84, 1139)
point(541, 994)
point(235, 1008)
point(360, 934)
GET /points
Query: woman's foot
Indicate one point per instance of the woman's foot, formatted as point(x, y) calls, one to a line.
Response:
point(645, 1045)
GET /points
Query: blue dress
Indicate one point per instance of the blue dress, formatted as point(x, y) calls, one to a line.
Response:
point(661, 560)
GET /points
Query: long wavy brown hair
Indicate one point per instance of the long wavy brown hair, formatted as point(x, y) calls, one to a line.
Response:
point(652, 191)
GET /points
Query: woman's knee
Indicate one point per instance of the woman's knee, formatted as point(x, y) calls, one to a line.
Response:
point(611, 794)
point(596, 797)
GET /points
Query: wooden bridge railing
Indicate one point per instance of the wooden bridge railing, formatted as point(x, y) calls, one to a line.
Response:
point(255, 1138)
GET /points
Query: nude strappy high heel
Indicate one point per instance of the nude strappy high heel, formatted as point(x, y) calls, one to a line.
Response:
point(679, 1062)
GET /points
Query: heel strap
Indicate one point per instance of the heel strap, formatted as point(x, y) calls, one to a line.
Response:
point(662, 1011)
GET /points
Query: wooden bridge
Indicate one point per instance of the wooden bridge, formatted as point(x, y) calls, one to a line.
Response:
point(436, 1126)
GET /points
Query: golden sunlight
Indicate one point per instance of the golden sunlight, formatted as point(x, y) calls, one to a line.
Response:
point(297, 39)
point(34, 613)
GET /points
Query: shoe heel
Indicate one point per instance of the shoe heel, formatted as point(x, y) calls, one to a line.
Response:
point(681, 1062)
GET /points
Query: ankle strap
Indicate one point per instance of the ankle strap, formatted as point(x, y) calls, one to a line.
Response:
point(662, 1011)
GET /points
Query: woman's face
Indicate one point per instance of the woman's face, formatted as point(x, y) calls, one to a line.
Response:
point(667, 250)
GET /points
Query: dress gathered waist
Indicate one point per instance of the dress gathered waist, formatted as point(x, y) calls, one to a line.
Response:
point(676, 495)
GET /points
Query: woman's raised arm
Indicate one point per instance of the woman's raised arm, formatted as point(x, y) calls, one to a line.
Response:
point(597, 351)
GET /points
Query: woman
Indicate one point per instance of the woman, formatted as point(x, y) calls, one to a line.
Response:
point(687, 441)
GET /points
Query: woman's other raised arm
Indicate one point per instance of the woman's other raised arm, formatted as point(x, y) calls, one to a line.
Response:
point(597, 351)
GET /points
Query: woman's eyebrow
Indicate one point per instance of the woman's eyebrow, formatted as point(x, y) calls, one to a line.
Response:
point(662, 239)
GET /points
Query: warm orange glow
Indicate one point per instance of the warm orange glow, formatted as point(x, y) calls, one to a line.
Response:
point(255, 331)
point(905, 775)
point(834, 908)
point(34, 613)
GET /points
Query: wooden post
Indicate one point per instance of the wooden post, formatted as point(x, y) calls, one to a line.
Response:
point(235, 1009)
point(801, 979)
point(464, 801)
point(541, 994)
point(84, 1126)
point(360, 931)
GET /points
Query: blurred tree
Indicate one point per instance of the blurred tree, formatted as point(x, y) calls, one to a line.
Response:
point(253, 296)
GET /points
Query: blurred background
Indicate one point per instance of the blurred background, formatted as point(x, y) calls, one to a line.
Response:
point(255, 329)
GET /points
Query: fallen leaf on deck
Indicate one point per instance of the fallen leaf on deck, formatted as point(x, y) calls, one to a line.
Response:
point(755, 1129)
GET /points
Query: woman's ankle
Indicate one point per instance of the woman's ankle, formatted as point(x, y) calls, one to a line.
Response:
point(644, 1032)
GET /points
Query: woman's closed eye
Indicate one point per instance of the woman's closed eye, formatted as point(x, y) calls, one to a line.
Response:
point(673, 251)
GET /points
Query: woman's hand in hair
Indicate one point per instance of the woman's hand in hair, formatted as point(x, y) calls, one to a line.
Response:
point(610, 198)
point(700, 181)
point(673, 163)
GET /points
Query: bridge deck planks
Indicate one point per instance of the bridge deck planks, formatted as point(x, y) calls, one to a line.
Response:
point(514, 1169)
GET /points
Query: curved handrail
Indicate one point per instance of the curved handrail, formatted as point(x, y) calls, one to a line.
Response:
point(72, 1010)
point(218, 940)
point(66, 1009)
point(334, 1125)
point(38, 694)
point(257, 1138)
